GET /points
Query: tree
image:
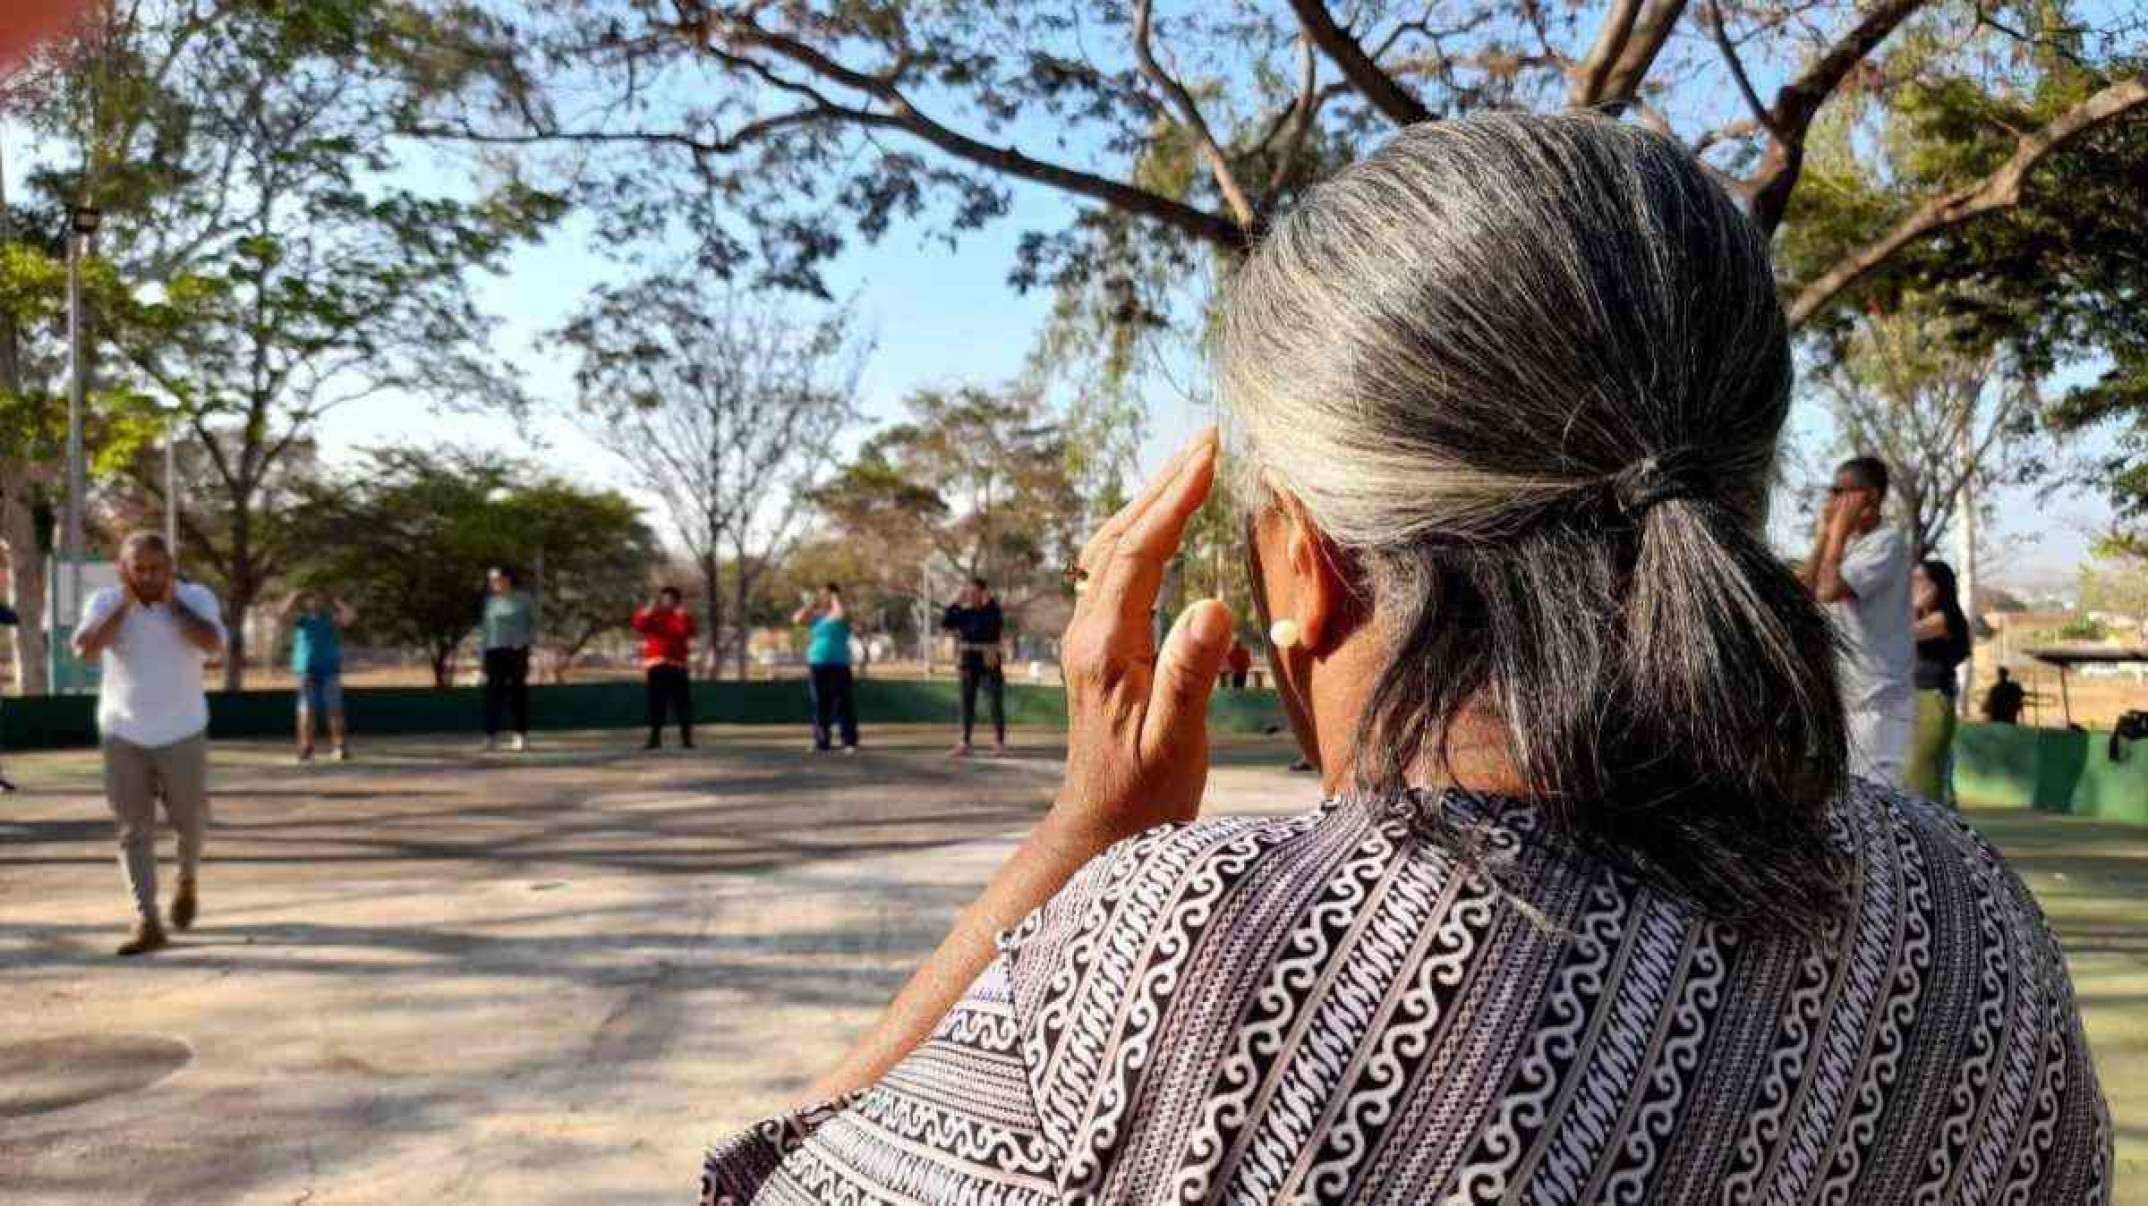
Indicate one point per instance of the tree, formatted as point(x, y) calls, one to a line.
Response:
point(406, 537)
point(977, 481)
point(2048, 282)
point(408, 534)
point(2116, 583)
point(726, 408)
point(33, 418)
point(595, 554)
point(1947, 415)
point(773, 134)
point(247, 165)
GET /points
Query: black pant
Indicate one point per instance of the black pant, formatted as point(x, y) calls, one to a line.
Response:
point(835, 704)
point(670, 689)
point(975, 674)
point(507, 689)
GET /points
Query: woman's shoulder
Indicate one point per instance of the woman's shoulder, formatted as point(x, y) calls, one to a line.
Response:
point(1179, 890)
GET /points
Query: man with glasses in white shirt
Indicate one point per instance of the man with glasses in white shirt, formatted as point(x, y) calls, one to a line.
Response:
point(153, 634)
point(1860, 569)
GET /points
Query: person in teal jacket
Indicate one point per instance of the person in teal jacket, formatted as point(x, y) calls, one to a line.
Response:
point(317, 620)
point(834, 692)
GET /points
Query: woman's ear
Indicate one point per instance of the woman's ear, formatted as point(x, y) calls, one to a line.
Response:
point(1324, 598)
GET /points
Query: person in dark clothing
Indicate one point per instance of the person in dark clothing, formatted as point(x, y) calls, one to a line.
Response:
point(8, 619)
point(1943, 643)
point(975, 619)
point(2002, 704)
point(667, 635)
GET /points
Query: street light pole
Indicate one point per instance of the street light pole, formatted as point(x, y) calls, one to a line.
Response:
point(82, 221)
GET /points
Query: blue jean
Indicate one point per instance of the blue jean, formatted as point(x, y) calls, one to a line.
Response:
point(321, 694)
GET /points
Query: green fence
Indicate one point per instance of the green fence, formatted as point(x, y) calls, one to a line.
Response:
point(2052, 770)
point(64, 721)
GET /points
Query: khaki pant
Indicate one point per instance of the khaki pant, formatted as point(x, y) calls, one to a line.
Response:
point(135, 778)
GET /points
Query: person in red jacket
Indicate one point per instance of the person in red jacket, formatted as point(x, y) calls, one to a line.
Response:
point(667, 635)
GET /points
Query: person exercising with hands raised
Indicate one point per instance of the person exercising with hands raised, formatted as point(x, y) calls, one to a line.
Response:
point(153, 634)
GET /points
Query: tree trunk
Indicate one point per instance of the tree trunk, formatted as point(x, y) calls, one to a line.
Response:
point(712, 601)
point(234, 645)
point(26, 578)
point(243, 591)
point(741, 610)
point(443, 660)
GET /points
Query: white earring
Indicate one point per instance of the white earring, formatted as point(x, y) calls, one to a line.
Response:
point(1283, 633)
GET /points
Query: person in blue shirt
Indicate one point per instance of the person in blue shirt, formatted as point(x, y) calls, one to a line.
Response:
point(835, 700)
point(317, 620)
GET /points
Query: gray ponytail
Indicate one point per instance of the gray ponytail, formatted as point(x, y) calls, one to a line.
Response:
point(1530, 372)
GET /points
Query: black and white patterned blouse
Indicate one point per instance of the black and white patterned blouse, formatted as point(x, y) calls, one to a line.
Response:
point(1331, 1008)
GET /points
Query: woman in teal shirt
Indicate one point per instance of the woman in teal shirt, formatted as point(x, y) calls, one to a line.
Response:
point(835, 700)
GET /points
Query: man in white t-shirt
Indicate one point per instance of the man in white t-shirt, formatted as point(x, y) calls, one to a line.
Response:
point(153, 633)
point(1860, 568)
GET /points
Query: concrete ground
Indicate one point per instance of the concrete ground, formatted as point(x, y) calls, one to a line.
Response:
point(436, 975)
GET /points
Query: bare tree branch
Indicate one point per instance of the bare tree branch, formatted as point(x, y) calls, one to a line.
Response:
point(1609, 77)
point(1189, 115)
point(1301, 117)
point(1798, 102)
point(1380, 89)
point(902, 115)
point(745, 135)
point(1594, 69)
point(1721, 32)
point(2000, 190)
point(1650, 36)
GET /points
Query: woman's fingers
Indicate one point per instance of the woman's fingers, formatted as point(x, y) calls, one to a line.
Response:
point(1129, 579)
point(1098, 551)
point(1186, 674)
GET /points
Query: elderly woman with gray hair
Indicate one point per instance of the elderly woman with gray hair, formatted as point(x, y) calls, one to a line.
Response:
point(1592, 911)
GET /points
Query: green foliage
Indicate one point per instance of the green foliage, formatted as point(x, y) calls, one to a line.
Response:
point(408, 535)
point(975, 481)
point(246, 162)
point(596, 558)
point(771, 138)
point(2083, 628)
point(2053, 283)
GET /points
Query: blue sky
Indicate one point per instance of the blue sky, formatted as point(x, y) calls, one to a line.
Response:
point(941, 316)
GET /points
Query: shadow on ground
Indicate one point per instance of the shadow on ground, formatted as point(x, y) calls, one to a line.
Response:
point(439, 975)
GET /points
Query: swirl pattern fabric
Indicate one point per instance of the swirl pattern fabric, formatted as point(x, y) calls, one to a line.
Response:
point(1337, 1007)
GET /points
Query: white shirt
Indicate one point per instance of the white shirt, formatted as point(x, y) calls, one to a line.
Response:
point(151, 693)
point(1879, 648)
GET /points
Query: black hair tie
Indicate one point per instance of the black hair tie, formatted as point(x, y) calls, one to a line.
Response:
point(1661, 477)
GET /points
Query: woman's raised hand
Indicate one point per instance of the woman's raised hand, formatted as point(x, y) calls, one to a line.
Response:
point(1137, 745)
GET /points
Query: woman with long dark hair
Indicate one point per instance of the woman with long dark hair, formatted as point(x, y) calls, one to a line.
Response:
point(1592, 911)
point(1943, 642)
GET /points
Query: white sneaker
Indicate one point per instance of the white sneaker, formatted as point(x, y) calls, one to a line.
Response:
point(522, 743)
